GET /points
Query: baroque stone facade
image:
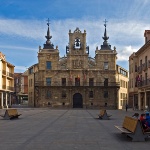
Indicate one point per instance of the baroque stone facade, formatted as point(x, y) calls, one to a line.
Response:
point(75, 80)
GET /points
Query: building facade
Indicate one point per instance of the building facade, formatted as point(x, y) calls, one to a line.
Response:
point(75, 80)
point(6, 82)
point(123, 78)
point(32, 89)
point(20, 95)
point(139, 75)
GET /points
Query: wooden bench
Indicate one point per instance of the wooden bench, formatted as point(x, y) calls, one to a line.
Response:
point(11, 114)
point(103, 115)
point(132, 127)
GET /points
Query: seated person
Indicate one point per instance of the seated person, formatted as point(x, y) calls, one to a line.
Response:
point(136, 115)
point(148, 118)
point(144, 123)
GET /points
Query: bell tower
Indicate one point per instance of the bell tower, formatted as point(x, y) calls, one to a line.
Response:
point(77, 51)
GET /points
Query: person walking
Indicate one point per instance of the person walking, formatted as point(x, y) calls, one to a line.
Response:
point(126, 107)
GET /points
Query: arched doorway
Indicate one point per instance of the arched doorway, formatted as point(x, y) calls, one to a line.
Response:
point(77, 100)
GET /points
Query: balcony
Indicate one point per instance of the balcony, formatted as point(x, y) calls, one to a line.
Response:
point(139, 69)
point(144, 66)
point(10, 74)
point(143, 83)
point(149, 63)
point(85, 84)
point(4, 72)
point(10, 88)
point(4, 86)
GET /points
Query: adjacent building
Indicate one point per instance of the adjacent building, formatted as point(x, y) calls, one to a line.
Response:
point(20, 95)
point(75, 80)
point(32, 89)
point(139, 75)
point(123, 78)
point(6, 81)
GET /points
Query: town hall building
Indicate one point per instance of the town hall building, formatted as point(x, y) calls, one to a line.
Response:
point(75, 80)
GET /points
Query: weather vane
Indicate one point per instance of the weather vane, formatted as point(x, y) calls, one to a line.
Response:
point(48, 22)
point(105, 22)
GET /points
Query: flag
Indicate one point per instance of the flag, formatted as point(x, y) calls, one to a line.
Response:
point(78, 77)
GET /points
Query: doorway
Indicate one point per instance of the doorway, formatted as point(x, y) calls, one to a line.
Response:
point(77, 100)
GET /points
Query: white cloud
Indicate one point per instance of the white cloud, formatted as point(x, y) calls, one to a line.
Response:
point(124, 53)
point(18, 48)
point(25, 28)
point(127, 36)
point(19, 69)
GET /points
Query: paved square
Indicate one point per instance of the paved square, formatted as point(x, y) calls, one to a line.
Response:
point(66, 129)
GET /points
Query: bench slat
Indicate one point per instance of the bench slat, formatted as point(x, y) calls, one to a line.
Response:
point(123, 130)
point(130, 123)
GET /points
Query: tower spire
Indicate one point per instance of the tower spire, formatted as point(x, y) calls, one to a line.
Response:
point(105, 33)
point(48, 37)
point(105, 45)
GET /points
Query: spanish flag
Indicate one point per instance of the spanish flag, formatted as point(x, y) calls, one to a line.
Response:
point(78, 77)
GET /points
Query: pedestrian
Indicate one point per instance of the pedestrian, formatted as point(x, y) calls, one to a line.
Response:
point(126, 107)
point(136, 106)
point(144, 123)
point(147, 118)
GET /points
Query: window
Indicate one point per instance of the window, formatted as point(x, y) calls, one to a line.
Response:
point(90, 94)
point(31, 71)
point(77, 81)
point(48, 65)
point(105, 65)
point(106, 82)
point(31, 82)
point(105, 94)
point(48, 81)
point(145, 62)
point(140, 62)
point(145, 78)
point(63, 81)
point(48, 94)
point(91, 82)
point(64, 95)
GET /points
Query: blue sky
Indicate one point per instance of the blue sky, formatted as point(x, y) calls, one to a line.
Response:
point(23, 26)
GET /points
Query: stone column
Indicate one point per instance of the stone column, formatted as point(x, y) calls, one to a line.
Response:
point(6, 101)
point(139, 100)
point(145, 97)
point(9, 99)
point(2, 106)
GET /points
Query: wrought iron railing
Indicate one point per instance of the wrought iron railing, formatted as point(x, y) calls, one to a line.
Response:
point(143, 83)
point(4, 86)
point(10, 88)
point(10, 74)
point(71, 83)
point(4, 72)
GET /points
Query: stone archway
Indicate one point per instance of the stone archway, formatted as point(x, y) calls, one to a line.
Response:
point(77, 100)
